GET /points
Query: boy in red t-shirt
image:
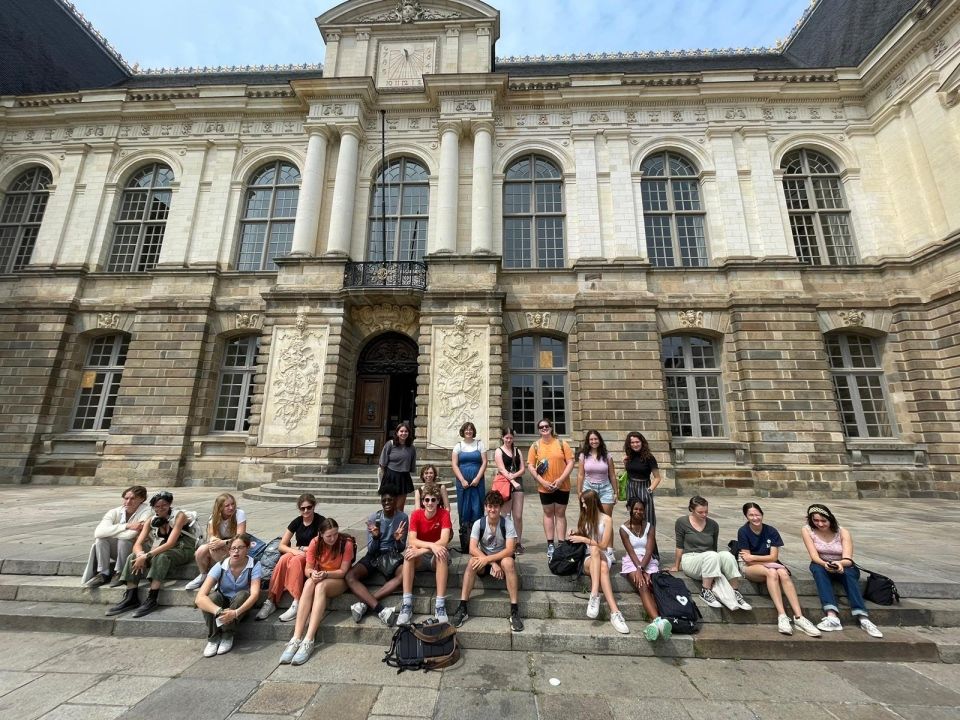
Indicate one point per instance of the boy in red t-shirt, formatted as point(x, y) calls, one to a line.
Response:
point(427, 540)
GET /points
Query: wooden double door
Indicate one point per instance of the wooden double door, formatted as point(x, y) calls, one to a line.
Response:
point(386, 394)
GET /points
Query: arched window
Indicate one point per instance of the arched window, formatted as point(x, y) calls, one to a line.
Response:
point(100, 382)
point(405, 188)
point(673, 214)
point(20, 219)
point(533, 214)
point(538, 383)
point(691, 367)
point(859, 385)
point(819, 216)
point(269, 208)
point(235, 386)
point(142, 220)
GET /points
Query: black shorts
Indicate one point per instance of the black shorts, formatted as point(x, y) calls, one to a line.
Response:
point(557, 497)
point(375, 567)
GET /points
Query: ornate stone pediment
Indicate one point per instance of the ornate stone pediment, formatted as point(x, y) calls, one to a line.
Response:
point(408, 11)
point(376, 318)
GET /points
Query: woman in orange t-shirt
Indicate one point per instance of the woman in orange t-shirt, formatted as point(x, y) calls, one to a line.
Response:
point(329, 557)
point(550, 461)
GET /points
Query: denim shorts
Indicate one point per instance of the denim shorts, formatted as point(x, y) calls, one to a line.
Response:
point(605, 491)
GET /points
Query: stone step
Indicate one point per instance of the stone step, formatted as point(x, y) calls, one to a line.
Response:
point(330, 496)
point(549, 635)
point(491, 601)
point(341, 484)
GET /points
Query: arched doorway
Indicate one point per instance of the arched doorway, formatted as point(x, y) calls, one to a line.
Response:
point(386, 393)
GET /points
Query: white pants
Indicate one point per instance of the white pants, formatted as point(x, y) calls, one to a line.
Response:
point(110, 548)
point(710, 565)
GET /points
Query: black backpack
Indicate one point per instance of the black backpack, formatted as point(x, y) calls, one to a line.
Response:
point(568, 558)
point(423, 646)
point(675, 603)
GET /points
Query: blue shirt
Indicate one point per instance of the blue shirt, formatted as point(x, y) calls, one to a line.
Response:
point(229, 585)
point(760, 544)
point(388, 526)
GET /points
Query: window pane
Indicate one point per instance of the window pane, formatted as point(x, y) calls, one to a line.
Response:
point(124, 247)
point(521, 353)
point(873, 405)
point(413, 239)
point(845, 401)
point(836, 234)
point(659, 242)
point(415, 172)
point(523, 404)
point(281, 241)
point(550, 242)
point(375, 250)
point(159, 206)
point(289, 175)
point(133, 205)
point(862, 354)
point(516, 198)
point(654, 195)
point(805, 239)
point(680, 165)
point(257, 204)
point(416, 200)
point(678, 404)
point(710, 415)
point(693, 244)
point(546, 170)
point(251, 246)
point(795, 192)
point(517, 243)
point(285, 205)
point(549, 197)
point(686, 194)
point(552, 353)
point(654, 166)
point(150, 251)
point(520, 170)
point(827, 193)
point(702, 353)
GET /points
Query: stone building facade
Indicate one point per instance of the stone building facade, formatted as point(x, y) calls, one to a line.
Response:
point(750, 256)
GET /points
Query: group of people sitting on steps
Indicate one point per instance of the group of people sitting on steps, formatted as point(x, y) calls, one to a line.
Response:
point(146, 541)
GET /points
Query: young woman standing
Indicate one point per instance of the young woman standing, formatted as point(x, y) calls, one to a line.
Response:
point(550, 462)
point(510, 465)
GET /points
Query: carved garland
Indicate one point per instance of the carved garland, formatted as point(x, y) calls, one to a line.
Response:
point(386, 317)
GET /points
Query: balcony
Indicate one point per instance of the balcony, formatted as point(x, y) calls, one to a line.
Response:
point(405, 275)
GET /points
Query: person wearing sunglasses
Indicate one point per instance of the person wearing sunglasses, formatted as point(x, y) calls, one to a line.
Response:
point(289, 573)
point(428, 539)
point(550, 461)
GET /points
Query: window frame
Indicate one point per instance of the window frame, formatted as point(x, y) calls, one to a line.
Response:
point(113, 375)
point(671, 211)
point(138, 263)
point(532, 261)
point(689, 373)
point(397, 219)
point(245, 395)
point(849, 371)
point(38, 192)
point(814, 212)
point(561, 419)
point(270, 219)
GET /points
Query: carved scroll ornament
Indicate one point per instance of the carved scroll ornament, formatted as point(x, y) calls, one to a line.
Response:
point(296, 382)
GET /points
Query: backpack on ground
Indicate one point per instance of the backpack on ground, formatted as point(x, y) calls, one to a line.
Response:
point(568, 558)
point(879, 588)
point(268, 558)
point(424, 647)
point(675, 604)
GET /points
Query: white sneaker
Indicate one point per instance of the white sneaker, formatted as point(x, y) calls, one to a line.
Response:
point(358, 610)
point(406, 615)
point(304, 653)
point(290, 613)
point(806, 626)
point(830, 624)
point(611, 556)
point(871, 629)
point(210, 649)
point(195, 583)
point(741, 603)
point(289, 651)
point(226, 645)
point(666, 629)
point(267, 610)
point(593, 607)
point(619, 624)
point(784, 625)
point(709, 598)
point(386, 615)
point(441, 613)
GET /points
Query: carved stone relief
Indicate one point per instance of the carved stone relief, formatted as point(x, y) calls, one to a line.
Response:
point(691, 318)
point(247, 320)
point(294, 382)
point(852, 318)
point(376, 318)
point(108, 320)
point(459, 383)
point(538, 319)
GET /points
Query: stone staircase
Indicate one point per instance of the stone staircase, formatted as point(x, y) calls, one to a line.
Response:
point(46, 595)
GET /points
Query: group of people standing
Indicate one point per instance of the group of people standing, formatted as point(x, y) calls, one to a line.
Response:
point(146, 541)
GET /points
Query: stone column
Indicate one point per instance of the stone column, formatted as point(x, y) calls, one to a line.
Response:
point(588, 235)
point(625, 241)
point(482, 221)
point(311, 192)
point(733, 240)
point(448, 189)
point(773, 236)
point(344, 192)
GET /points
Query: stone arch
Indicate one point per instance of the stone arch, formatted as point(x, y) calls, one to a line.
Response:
point(260, 157)
point(549, 149)
point(125, 167)
point(674, 143)
point(846, 162)
point(19, 165)
point(371, 164)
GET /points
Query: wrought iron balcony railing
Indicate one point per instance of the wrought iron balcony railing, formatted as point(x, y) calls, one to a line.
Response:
point(406, 274)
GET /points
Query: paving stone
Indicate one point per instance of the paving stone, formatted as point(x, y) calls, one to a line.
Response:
point(247, 660)
point(808, 710)
point(342, 702)
point(85, 712)
point(628, 708)
point(713, 709)
point(605, 676)
point(921, 712)
point(406, 702)
point(457, 703)
point(945, 674)
point(248, 716)
point(43, 695)
point(895, 684)
point(275, 697)
point(858, 711)
point(351, 664)
point(24, 650)
point(11, 680)
point(192, 699)
point(581, 707)
point(489, 668)
point(119, 690)
point(125, 656)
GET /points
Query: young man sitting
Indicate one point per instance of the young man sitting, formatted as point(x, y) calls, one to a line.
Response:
point(427, 541)
point(114, 537)
point(386, 541)
point(493, 541)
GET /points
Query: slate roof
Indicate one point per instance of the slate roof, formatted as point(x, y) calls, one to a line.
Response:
point(44, 48)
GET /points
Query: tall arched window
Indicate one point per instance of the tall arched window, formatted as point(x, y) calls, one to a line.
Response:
point(533, 214)
point(405, 187)
point(538, 383)
point(691, 367)
point(859, 385)
point(100, 382)
point(819, 215)
point(20, 219)
point(142, 220)
point(673, 214)
point(235, 385)
point(269, 208)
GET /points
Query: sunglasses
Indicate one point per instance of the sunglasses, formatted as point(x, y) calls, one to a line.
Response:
point(430, 500)
point(543, 427)
point(305, 508)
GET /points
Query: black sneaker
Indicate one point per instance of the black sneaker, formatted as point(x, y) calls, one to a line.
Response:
point(516, 624)
point(460, 616)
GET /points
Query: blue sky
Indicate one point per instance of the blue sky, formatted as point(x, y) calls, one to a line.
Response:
point(254, 32)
